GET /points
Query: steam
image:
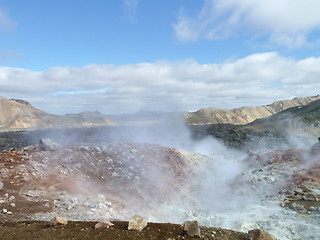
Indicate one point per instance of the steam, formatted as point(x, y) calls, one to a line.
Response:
point(220, 187)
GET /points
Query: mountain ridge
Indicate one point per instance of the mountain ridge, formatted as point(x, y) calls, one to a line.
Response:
point(20, 114)
point(304, 118)
point(244, 115)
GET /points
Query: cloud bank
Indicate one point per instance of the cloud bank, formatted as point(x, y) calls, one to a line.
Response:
point(283, 22)
point(164, 86)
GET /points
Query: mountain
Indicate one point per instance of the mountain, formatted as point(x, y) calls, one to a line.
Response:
point(305, 119)
point(243, 115)
point(19, 114)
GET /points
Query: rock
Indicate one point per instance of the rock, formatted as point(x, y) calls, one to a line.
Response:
point(297, 207)
point(1, 185)
point(103, 224)
point(69, 206)
point(47, 144)
point(312, 209)
point(32, 193)
point(4, 211)
point(60, 221)
point(259, 234)
point(303, 211)
point(28, 148)
point(191, 228)
point(101, 197)
point(137, 223)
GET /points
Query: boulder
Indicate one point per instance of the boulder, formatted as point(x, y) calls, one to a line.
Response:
point(137, 223)
point(47, 144)
point(1, 185)
point(103, 224)
point(191, 228)
point(60, 221)
point(259, 234)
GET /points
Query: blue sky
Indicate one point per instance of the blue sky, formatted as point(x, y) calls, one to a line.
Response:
point(75, 33)
point(176, 55)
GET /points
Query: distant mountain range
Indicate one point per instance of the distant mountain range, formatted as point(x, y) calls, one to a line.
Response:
point(19, 114)
point(243, 115)
point(285, 114)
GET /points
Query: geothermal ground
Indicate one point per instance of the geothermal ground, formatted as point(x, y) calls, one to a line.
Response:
point(278, 191)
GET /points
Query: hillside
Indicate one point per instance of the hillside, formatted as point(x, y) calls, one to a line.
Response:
point(19, 114)
point(243, 115)
point(297, 119)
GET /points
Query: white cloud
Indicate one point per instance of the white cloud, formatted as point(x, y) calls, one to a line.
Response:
point(6, 24)
point(164, 86)
point(130, 7)
point(284, 22)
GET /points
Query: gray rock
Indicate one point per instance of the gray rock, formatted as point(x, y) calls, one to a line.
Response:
point(28, 148)
point(303, 211)
point(1, 185)
point(69, 206)
point(137, 223)
point(191, 228)
point(47, 144)
point(312, 209)
point(297, 207)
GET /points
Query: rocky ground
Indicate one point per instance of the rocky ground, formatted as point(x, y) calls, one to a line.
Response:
point(231, 135)
point(86, 230)
point(277, 191)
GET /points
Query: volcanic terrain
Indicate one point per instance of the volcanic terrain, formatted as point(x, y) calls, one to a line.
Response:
point(277, 191)
point(223, 176)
